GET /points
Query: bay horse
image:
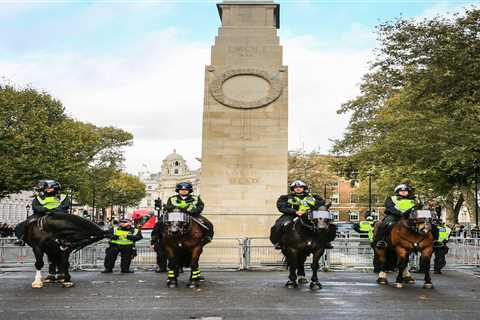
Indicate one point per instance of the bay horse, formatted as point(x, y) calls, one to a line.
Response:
point(412, 233)
point(304, 236)
point(182, 238)
point(57, 235)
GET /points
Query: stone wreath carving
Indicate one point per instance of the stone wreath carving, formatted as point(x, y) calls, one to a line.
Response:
point(274, 92)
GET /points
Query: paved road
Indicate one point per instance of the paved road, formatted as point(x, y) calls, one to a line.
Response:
point(238, 295)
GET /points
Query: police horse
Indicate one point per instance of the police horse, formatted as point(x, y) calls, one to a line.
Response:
point(307, 235)
point(412, 233)
point(182, 238)
point(58, 235)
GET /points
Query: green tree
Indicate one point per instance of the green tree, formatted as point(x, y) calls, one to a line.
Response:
point(38, 140)
point(418, 114)
point(313, 168)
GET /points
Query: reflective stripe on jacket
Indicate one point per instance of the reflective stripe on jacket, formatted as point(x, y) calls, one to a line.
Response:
point(402, 204)
point(443, 233)
point(122, 236)
point(51, 202)
point(180, 203)
point(304, 204)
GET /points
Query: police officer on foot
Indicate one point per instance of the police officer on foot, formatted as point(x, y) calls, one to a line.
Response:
point(123, 242)
point(365, 228)
point(294, 204)
point(395, 206)
point(440, 248)
point(186, 202)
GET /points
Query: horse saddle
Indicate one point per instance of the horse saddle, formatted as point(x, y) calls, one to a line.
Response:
point(200, 222)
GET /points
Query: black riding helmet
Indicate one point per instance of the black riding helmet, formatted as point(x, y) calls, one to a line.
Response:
point(44, 185)
point(298, 183)
point(184, 185)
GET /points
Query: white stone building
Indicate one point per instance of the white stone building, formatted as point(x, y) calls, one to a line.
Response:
point(162, 184)
point(14, 208)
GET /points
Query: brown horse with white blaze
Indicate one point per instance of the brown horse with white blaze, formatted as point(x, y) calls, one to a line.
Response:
point(412, 233)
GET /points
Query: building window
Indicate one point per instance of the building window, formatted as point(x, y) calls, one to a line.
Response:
point(354, 198)
point(353, 216)
point(149, 203)
point(333, 184)
point(176, 164)
point(334, 198)
point(175, 171)
point(335, 215)
point(149, 187)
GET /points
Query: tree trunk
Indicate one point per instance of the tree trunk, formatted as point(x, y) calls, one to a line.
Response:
point(453, 206)
point(469, 196)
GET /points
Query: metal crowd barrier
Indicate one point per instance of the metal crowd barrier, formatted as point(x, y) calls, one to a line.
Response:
point(241, 254)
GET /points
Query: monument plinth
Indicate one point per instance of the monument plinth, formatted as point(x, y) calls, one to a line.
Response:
point(245, 121)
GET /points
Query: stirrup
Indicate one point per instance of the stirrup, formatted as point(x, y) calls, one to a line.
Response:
point(328, 245)
point(278, 246)
point(381, 244)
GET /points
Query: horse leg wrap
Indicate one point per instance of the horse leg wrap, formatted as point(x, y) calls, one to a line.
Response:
point(171, 274)
point(195, 274)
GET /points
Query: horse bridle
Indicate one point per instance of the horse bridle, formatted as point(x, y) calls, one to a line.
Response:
point(187, 222)
point(409, 226)
point(311, 227)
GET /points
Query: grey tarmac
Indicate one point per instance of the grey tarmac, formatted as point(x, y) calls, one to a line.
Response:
point(239, 295)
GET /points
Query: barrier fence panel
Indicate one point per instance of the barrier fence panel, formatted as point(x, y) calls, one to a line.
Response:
point(220, 253)
point(242, 253)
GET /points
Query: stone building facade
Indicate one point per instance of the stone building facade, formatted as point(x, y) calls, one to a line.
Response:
point(15, 207)
point(174, 169)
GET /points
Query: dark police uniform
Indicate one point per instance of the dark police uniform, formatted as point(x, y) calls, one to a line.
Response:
point(123, 242)
point(289, 205)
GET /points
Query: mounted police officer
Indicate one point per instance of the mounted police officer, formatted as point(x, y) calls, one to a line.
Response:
point(395, 206)
point(123, 242)
point(188, 203)
point(48, 199)
point(297, 203)
point(440, 248)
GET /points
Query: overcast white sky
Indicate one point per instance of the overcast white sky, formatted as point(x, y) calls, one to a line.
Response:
point(140, 66)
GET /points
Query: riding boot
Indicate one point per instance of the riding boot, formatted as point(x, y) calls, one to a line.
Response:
point(278, 229)
point(332, 234)
point(275, 235)
point(435, 233)
point(209, 229)
point(381, 236)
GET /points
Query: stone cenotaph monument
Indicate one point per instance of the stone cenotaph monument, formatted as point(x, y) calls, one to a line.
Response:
point(245, 121)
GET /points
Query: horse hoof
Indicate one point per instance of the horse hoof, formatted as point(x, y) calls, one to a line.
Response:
point(37, 285)
point(382, 281)
point(428, 286)
point(291, 284)
point(67, 284)
point(192, 285)
point(398, 285)
point(409, 280)
point(315, 285)
point(172, 284)
point(302, 280)
point(49, 279)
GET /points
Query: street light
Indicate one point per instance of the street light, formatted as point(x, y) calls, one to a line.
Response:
point(369, 174)
point(476, 167)
point(28, 209)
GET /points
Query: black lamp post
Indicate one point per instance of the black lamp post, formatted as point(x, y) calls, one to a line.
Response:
point(476, 166)
point(369, 174)
point(27, 207)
